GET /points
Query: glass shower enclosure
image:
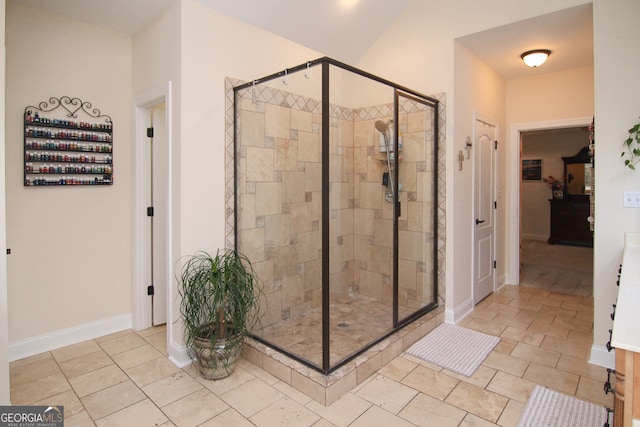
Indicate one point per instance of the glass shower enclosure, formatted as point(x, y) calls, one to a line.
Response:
point(336, 207)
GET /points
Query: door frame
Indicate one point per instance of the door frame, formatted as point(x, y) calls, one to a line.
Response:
point(494, 178)
point(513, 232)
point(141, 318)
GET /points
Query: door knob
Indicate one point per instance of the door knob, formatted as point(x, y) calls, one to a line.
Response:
point(479, 221)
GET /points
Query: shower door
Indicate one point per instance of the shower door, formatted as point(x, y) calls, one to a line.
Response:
point(415, 268)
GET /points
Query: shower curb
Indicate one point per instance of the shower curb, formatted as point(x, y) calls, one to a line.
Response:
point(326, 389)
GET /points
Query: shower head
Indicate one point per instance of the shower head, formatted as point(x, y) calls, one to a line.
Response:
point(381, 126)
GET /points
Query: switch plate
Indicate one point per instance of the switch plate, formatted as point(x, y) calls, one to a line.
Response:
point(631, 199)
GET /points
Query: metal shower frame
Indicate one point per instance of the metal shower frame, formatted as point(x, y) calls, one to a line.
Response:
point(398, 91)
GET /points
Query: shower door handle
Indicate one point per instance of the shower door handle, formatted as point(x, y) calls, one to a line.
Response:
point(479, 221)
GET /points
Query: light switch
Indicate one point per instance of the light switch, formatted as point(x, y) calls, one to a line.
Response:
point(631, 199)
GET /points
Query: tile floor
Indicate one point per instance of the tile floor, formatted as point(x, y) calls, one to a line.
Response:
point(558, 268)
point(125, 380)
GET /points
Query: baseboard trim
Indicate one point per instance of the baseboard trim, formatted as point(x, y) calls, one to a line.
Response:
point(602, 357)
point(63, 337)
point(458, 313)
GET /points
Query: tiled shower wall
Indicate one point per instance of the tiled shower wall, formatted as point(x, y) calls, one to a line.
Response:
point(279, 184)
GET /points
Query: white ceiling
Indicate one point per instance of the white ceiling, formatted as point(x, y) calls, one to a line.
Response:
point(324, 25)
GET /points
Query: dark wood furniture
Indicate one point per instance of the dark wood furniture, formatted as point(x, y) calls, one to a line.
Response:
point(569, 224)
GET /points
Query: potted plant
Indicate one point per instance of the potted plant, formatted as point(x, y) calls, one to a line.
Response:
point(220, 298)
point(632, 145)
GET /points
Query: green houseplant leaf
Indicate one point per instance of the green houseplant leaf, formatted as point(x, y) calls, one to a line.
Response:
point(631, 153)
point(220, 306)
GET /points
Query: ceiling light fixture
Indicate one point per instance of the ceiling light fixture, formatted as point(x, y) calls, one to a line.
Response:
point(535, 58)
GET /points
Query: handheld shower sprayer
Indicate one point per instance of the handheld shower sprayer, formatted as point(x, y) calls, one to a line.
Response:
point(383, 128)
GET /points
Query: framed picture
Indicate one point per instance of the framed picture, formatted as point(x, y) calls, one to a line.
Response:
point(532, 169)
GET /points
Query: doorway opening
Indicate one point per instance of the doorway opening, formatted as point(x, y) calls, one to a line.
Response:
point(151, 152)
point(538, 258)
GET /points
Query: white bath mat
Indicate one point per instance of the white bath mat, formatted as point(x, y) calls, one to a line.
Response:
point(549, 408)
point(455, 348)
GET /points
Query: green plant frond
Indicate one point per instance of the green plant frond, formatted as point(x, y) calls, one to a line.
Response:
point(223, 283)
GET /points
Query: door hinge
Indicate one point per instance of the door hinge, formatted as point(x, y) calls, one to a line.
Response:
point(150, 290)
point(494, 264)
point(495, 205)
point(495, 144)
point(150, 211)
point(149, 132)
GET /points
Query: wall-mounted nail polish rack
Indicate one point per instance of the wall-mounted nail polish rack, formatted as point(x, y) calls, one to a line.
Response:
point(67, 142)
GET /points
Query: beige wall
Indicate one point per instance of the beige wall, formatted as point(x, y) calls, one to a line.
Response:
point(562, 95)
point(71, 247)
point(617, 90)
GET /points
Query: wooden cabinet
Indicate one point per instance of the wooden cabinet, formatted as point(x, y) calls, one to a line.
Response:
point(627, 396)
point(569, 221)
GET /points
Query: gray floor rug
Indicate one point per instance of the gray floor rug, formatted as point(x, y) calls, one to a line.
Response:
point(457, 349)
point(549, 408)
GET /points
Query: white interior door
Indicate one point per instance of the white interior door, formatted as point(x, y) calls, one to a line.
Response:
point(485, 149)
point(156, 231)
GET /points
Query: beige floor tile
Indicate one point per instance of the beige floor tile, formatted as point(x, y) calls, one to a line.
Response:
point(525, 305)
point(536, 354)
point(562, 381)
point(581, 367)
point(480, 402)
point(194, 409)
point(171, 388)
point(97, 380)
point(41, 357)
point(68, 399)
point(430, 382)
point(221, 386)
point(27, 372)
point(474, 421)
point(480, 378)
point(376, 417)
point(113, 336)
point(137, 356)
point(514, 321)
point(85, 363)
point(323, 423)
point(154, 330)
point(81, 419)
point(571, 324)
point(523, 336)
point(511, 386)
point(580, 350)
point(76, 350)
point(251, 397)
point(343, 411)
point(511, 414)
point(397, 369)
point(505, 345)
point(40, 389)
point(506, 363)
point(487, 327)
point(228, 418)
point(159, 342)
point(143, 414)
point(122, 343)
point(387, 394)
point(552, 330)
point(285, 412)
point(112, 399)
point(152, 371)
point(593, 391)
point(292, 393)
point(425, 411)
